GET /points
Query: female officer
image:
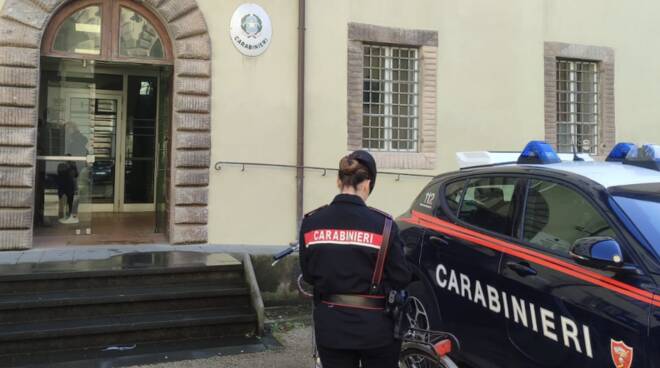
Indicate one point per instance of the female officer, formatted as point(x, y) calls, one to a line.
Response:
point(339, 246)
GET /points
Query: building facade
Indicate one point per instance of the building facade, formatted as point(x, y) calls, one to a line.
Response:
point(161, 121)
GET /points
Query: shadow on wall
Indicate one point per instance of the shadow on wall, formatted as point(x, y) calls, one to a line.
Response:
point(278, 284)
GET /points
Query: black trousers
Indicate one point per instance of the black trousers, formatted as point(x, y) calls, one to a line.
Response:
point(69, 192)
point(384, 357)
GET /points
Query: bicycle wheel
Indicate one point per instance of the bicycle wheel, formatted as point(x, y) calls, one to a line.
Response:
point(417, 317)
point(417, 358)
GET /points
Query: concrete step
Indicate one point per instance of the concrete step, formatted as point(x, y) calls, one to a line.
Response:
point(64, 304)
point(122, 301)
point(99, 333)
point(90, 280)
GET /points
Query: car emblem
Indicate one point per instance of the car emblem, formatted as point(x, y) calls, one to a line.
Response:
point(251, 25)
point(622, 354)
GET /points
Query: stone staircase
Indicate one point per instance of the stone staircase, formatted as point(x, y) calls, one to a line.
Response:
point(126, 304)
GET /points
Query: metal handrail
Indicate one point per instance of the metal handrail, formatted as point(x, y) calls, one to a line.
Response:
point(219, 164)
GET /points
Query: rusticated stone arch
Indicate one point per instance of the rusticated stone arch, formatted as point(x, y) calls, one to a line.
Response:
point(22, 23)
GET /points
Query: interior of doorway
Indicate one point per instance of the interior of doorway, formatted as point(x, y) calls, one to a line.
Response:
point(102, 156)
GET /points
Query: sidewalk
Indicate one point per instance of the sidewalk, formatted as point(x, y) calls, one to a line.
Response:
point(295, 353)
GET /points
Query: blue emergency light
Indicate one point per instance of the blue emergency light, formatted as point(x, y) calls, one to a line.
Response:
point(647, 156)
point(620, 151)
point(538, 153)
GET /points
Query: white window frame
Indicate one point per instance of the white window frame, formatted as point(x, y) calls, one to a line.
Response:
point(573, 122)
point(387, 115)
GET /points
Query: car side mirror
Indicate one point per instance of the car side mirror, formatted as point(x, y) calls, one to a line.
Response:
point(598, 252)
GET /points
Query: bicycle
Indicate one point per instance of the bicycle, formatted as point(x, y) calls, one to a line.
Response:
point(427, 349)
point(420, 348)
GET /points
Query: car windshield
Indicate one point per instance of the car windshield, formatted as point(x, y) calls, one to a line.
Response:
point(644, 212)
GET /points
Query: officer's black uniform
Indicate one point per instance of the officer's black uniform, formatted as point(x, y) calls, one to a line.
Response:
point(339, 246)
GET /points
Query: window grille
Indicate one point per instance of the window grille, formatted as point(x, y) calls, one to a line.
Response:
point(390, 98)
point(578, 107)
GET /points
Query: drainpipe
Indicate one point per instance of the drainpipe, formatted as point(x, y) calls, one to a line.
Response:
point(300, 157)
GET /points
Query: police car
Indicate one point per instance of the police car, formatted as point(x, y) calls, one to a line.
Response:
point(541, 262)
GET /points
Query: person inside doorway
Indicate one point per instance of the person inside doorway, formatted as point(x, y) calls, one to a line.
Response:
point(67, 175)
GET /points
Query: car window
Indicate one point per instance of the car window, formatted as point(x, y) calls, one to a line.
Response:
point(644, 212)
point(453, 195)
point(427, 199)
point(489, 203)
point(556, 216)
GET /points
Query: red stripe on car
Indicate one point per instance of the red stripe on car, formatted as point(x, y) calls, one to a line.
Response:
point(530, 255)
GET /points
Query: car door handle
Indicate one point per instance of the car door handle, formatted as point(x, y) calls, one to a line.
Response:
point(444, 240)
point(522, 268)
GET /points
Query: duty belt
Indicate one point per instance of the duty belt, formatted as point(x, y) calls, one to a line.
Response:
point(370, 302)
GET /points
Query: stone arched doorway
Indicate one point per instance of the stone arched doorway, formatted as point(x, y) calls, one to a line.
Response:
point(22, 25)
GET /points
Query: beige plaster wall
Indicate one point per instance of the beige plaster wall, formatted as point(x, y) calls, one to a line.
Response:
point(485, 101)
point(631, 29)
point(490, 93)
point(254, 119)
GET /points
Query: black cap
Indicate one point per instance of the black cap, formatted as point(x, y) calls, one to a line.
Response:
point(366, 159)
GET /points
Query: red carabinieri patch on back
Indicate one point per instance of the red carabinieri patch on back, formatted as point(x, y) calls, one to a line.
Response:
point(622, 354)
point(344, 236)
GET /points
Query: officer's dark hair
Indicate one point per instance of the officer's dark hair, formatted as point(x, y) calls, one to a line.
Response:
point(352, 172)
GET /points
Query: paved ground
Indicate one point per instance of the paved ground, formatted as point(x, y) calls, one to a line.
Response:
point(296, 353)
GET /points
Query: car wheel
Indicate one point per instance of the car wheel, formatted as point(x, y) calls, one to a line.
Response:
point(422, 312)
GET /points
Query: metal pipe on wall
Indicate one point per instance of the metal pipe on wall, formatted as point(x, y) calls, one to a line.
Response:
point(300, 156)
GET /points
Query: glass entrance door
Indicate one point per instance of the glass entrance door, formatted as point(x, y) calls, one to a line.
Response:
point(139, 144)
point(100, 128)
point(65, 151)
point(103, 112)
point(124, 142)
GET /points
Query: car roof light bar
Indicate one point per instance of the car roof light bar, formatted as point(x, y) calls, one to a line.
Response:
point(538, 153)
point(476, 159)
point(647, 156)
point(619, 152)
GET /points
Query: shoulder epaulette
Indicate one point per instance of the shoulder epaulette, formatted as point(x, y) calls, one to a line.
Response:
point(382, 212)
point(310, 213)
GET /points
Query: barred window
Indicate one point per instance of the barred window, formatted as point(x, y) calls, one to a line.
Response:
point(391, 109)
point(578, 115)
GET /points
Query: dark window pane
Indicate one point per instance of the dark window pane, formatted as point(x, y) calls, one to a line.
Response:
point(645, 214)
point(454, 194)
point(557, 216)
point(489, 204)
point(139, 181)
point(140, 139)
point(137, 37)
point(81, 32)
